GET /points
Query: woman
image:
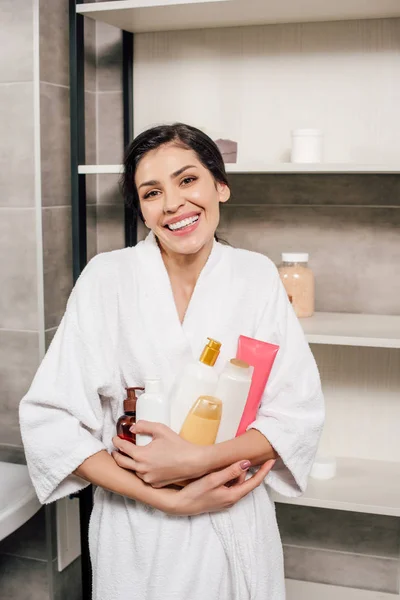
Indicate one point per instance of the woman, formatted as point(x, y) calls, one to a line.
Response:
point(142, 312)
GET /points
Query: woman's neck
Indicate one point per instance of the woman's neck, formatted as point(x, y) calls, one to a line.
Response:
point(186, 267)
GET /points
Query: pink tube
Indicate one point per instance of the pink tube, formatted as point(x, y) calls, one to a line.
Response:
point(261, 355)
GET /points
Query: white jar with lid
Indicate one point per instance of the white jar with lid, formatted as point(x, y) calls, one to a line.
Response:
point(307, 146)
point(298, 280)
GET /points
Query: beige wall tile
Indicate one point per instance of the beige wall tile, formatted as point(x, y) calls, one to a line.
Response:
point(16, 41)
point(353, 251)
point(18, 298)
point(16, 145)
point(109, 58)
point(55, 145)
point(338, 568)
point(54, 41)
point(110, 227)
point(57, 262)
point(19, 360)
point(373, 535)
point(110, 127)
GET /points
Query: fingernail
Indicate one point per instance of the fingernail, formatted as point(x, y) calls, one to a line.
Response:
point(133, 428)
point(245, 465)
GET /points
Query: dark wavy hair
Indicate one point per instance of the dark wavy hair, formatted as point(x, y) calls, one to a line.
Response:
point(182, 135)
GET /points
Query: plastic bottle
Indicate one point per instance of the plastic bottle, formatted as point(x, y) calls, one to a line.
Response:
point(152, 406)
point(197, 379)
point(233, 389)
point(202, 423)
point(128, 419)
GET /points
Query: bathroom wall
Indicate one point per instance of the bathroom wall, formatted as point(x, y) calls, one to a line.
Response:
point(35, 222)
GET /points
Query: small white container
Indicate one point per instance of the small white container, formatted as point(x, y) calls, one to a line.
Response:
point(152, 406)
point(324, 467)
point(307, 146)
point(232, 389)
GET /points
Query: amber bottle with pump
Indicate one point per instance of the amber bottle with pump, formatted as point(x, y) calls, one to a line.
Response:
point(128, 419)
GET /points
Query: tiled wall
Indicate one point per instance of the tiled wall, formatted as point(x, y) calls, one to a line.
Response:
point(19, 311)
point(340, 548)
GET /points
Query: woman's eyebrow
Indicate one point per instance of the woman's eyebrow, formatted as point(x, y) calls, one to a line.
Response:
point(175, 174)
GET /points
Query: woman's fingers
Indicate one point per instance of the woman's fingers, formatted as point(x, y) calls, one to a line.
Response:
point(127, 447)
point(254, 481)
point(124, 461)
point(228, 474)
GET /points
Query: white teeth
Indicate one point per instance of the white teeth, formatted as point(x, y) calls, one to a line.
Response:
point(183, 223)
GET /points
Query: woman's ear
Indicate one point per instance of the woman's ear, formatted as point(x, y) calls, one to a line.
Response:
point(224, 192)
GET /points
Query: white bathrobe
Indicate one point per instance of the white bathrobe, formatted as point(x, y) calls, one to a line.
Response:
point(120, 327)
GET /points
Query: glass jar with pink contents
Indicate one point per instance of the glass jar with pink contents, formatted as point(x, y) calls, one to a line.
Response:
point(298, 279)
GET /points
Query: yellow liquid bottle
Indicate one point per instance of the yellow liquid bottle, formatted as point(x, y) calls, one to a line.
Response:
point(202, 423)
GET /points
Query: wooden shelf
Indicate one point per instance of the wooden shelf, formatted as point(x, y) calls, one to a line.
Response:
point(348, 168)
point(366, 486)
point(166, 15)
point(344, 329)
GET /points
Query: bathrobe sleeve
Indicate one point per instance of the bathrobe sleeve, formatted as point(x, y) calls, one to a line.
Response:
point(61, 415)
point(291, 413)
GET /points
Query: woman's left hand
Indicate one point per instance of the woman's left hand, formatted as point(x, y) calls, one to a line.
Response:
point(166, 460)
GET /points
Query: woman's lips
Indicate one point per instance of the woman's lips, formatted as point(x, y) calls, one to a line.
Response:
point(185, 230)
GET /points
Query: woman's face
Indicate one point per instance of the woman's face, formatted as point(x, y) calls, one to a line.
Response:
point(179, 198)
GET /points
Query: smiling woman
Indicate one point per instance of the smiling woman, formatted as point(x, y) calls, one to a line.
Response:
point(143, 312)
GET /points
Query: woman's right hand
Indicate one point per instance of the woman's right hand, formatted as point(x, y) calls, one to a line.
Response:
point(212, 494)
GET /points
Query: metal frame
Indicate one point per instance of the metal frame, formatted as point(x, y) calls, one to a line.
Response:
point(78, 204)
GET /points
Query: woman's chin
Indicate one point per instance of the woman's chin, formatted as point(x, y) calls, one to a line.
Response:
point(185, 244)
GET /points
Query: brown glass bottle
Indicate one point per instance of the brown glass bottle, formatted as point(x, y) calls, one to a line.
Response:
point(128, 419)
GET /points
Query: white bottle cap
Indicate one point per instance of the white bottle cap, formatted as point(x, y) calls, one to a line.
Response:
point(295, 257)
point(152, 386)
point(324, 467)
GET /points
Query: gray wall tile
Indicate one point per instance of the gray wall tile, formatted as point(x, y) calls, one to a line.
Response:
point(352, 250)
point(110, 227)
point(49, 334)
point(18, 300)
point(23, 578)
point(29, 541)
point(16, 41)
point(57, 262)
point(55, 145)
point(12, 453)
point(19, 360)
point(338, 568)
point(335, 189)
point(54, 41)
point(109, 190)
point(16, 145)
point(110, 128)
point(376, 535)
point(90, 144)
point(68, 583)
point(109, 58)
point(91, 223)
point(90, 54)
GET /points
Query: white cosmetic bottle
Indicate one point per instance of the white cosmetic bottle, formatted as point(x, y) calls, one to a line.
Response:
point(233, 388)
point(151, 406)
point(198, 378)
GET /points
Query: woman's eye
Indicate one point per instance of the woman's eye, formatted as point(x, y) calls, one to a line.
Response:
point(151, 194)
point(188, 180)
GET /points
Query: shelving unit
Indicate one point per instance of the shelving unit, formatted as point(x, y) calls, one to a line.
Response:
point(139, 16)
point(361, 485)
point(367, 486)
point(322, 168)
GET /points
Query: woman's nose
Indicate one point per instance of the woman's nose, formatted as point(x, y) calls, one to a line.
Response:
point(172, 201)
